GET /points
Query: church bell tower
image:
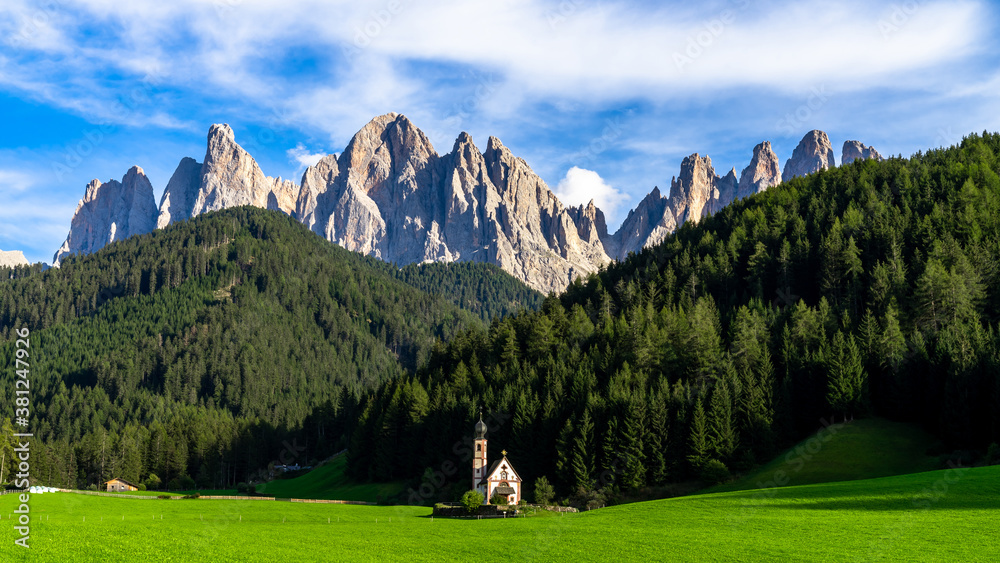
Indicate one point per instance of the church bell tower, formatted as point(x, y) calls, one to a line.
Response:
point(479, 454)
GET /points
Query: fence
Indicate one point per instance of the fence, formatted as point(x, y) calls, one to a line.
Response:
point(100, 494)
point(214, 497)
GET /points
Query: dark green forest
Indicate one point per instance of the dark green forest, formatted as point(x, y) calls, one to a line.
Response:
point(868, 289)
point(202, 351)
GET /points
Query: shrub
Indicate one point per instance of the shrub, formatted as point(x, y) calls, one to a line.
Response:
point(714, 471)
point(472, 500)
point(588, 498)
point(92, 487)
point(544, 491)
point(186, 482)
point(141, 487)
point(241, 487)
point(499, 500)
point(153, 482)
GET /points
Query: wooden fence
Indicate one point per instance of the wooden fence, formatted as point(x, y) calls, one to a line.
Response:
point(215, 497)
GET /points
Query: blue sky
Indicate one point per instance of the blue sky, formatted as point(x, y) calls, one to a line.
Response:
point(602, 99)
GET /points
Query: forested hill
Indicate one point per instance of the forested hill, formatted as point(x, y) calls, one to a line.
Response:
point(199, 349)
point(871, 288)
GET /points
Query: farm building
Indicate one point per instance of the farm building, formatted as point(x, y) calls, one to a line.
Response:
point(117, 485)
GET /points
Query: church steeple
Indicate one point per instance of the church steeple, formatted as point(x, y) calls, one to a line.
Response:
point(479, 454)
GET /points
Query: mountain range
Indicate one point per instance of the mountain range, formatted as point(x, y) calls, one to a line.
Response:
point(391, 195)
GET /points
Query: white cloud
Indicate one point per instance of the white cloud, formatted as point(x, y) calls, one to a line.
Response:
point(301, 155)
point(15, 180)
point(581, 185)
point(539, 51)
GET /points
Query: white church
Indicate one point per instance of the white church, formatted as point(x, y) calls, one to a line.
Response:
point(500, 478)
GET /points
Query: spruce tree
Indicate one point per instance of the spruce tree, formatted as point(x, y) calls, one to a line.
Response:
point(698, 439)
point(721, 430)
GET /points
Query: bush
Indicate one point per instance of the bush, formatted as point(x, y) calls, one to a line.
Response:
point(714, 472)
point(153, 482)
point(241, 487)
point(544, 491)
point(141, 487)
point(186, 482)
point(193, 495)
point(588, 498)
point(472, 500)
point(251, 489)
point(499, 500)
point(92, 487)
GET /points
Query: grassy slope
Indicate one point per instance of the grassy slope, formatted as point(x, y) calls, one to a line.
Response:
point(862, 449)
point(931, 516)
point(329, 482)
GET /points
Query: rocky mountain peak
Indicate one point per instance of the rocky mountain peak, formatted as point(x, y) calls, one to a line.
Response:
point(693, 188)
point(315, 181)
point(649, 223)
point(855, 150)
point(221, 133)
point(723, 192)
point(590, 223)
point(11, 258)
point(110, 211)
point(228, 177)
point(813, 153)
point(764, 171)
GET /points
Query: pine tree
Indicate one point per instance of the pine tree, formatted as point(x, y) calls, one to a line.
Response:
point(633, 431)
point(582, 462)
point(721, 430)
point(656, 441)
point(564, 455)
point(845, 376)
point(698, 441)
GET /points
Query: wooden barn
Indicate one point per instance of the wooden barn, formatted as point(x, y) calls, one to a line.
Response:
point(118, 485)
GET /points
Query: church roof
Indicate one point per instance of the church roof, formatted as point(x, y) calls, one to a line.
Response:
point(490, 471)
point(494, 467)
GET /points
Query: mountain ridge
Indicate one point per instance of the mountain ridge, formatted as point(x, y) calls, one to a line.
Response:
point(391, 195)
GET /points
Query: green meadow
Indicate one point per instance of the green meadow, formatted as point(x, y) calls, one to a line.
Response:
point(931, 516)
point(861, 449)
point(329, 481)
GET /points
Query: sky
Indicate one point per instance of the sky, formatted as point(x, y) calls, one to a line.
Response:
point(602, 99)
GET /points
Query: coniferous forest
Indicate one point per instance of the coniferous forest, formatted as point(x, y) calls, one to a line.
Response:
point(869, 289)
point(197, 351)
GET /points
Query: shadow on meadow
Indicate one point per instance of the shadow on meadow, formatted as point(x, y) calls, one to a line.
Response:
point(960, 488)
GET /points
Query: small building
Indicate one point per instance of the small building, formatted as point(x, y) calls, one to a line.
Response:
point(500, 478)
point(117, 485)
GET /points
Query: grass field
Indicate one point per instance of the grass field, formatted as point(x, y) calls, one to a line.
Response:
point(931, 516)
point(329, 482)
point(861, 449)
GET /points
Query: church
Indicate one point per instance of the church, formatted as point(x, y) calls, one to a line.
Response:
point(500, 478)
